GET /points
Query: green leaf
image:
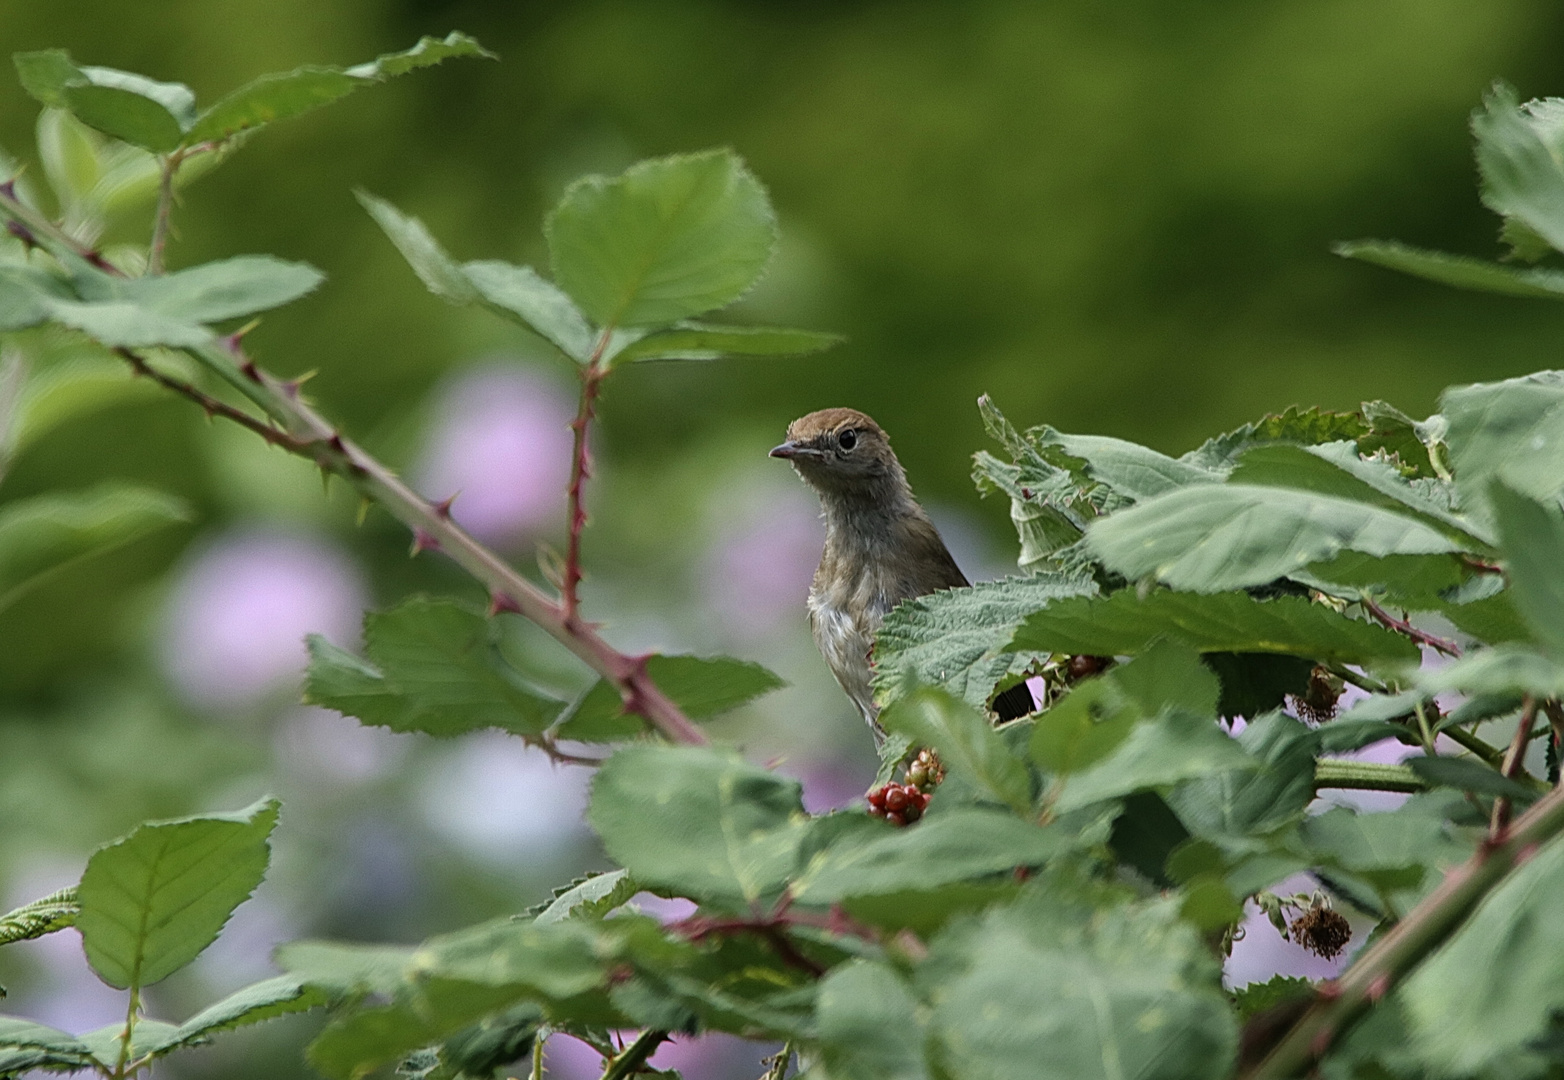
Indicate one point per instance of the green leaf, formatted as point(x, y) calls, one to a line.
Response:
point(151, 902)
point(1256, 998)
point(592, 897)
point(1464, 774)
point(356, 1043)
point(966, 743)
point(1532, 540)
point(540, 305)
point(1172, 747)
point(956, 638)
point(126, 106)
point(666, 240)
point(437, 270)
point(1513, 430)
point(432, 666)
point(254, 1004)
point(1123, 623)
point(1087, 726)
point(1504, 669)
point(1461, 271)
point(555, 960)
point(701, 686)
point(1337, 469)
point(954, 845)
point(281, 95)
point(28, 296)
point(1293, 425)
point(45, 534)
point(1133, 471)
point(214, 291)
point(699, 821)
point(121, 324)
point(1128, 992)
point(1215, 537)
point(54, 912)
point(705, 341)
point(1518, 157)
point(1274, 792)
point(21, 1033)
point(344, 970)
point(1494, 986)
point(868, 1020)
point(1391, 851)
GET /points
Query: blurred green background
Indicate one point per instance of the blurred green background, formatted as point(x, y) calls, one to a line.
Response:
point(1114, 218)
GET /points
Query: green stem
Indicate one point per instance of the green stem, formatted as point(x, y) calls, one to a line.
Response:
point(125, 1036)
point(1365, 776)
point(1424, 929)
point(538, 1042)
point(165, 211)
point(635, 1055)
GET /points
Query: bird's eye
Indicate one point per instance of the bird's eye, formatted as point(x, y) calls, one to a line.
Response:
point(847, 439)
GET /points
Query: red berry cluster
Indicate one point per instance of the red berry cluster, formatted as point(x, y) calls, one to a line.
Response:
point(898, 803)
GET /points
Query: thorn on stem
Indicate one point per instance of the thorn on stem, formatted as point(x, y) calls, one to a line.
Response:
point(423, 541)
point(22, 233)
point(336, 443)
point(499, 602)
point(442, 509)
point(247, 366)
point(1379, 987)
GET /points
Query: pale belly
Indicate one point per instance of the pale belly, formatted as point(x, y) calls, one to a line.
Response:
point(846, 646)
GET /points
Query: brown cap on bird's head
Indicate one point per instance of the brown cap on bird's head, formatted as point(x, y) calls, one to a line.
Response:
point(840, 449)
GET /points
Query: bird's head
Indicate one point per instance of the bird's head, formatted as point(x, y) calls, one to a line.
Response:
point(841, 452)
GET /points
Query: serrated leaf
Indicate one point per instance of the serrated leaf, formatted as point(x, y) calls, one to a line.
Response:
point(1461, 271)
point(122, 324)
point(152, 901)
point(357, 1042)
point(1123, 623)
point(1293, 425)
point(1505, 669)
point(868, 1021)
point(1216, 537)
point(966, 743)
point(1517, 155)
point(556, 960)
point(1129, 991)
point(254, 1004)
point(1495, 984)
point(1158, 753)
point(431, 666)
point(701, 686)
point(956, 638)
point(594, 896)
point(540, 305)
point(28, 295)
point(1464, 774)
point(126, 106)
point(437, 270)
point(1337, 469)
point(1259, 997)
point(955, 845)
point(1532, 541)
point(668, 239)
point(211, 292)
point(705, 341)
point(1257, 800)
point(699, 821)
point(344, 969)
point(45, 534)
point(18, 1032)
point(281, 95)
point(1133, 471)
point(53, 912)
point(1513, 430)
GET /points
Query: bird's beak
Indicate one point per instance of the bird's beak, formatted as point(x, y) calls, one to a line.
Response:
point(790, 450)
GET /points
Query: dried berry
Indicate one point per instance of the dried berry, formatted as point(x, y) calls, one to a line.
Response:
point(1322, 931)
point(1083, 666)
point(1318, 702)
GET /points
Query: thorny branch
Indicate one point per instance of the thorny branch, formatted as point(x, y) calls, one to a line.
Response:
point(1402, 626)
point(592, 376)
point(1514, 759)
point(633, 1060)
point(303, 431)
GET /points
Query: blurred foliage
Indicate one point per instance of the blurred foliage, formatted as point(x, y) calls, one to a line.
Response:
point(1114, 218)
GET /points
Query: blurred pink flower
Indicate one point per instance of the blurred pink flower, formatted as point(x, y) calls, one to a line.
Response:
point(500, 441)
point(759, 567)
point(236, 620)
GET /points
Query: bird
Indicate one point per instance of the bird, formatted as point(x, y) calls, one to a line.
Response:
point(880, 548)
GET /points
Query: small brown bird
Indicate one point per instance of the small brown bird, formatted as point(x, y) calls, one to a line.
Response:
point(880, 547)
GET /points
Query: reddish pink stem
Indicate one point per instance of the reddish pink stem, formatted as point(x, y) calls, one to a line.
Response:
point(580, 472)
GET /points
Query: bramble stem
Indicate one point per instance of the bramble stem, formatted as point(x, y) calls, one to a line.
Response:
point(635, 1055)
point(592, 376)
point(1424, 929)
point(1365, 776)
point(165, 211)
point(299, 429)
point(1514, 758)
point(1402, 626)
